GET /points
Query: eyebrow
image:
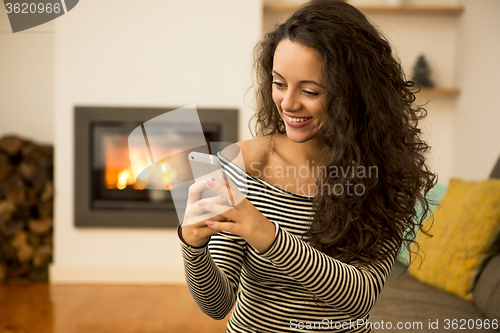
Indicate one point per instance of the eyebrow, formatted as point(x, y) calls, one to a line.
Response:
point(303, 81)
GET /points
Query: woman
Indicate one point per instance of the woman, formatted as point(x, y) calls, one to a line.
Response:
point(313, 250)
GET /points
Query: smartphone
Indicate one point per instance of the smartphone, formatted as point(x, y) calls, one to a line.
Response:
point(206, 166)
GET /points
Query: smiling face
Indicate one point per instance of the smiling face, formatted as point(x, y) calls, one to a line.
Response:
point(299, 89)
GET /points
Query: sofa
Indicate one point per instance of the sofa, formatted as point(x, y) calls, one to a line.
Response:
point(405, 304)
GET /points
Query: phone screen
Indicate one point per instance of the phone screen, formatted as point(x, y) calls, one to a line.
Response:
point(206, 166)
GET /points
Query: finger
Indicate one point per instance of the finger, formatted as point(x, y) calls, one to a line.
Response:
point(200, 206)
point(215, 208)
point(201, 218)
point(228, 190)
point(203, 231)
point(224, 209)
point(216, 189)
point(195, 191)
point(228, 226)
point(217, 200)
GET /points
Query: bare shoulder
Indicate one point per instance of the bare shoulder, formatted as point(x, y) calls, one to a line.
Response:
point(256, 153)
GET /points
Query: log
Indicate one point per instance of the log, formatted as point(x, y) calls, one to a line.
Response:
point(40, 226)
point(18, 271)
point(6, 166)
point(25, 253)
point(34, 240)
point(47, 191)
point(32, 174)
point(27, 170)
point(7, 209)
point(40, 154)
point(15, 190)
point(9, 253)
point(31, 199)
point(38, 180)
point(45, 209)
point(48, 240)
point(10, 228)
point(42, 256)
point(19, 240)
point(23, 249)
point(22, 213)
point(11, 145)
point(39, 274)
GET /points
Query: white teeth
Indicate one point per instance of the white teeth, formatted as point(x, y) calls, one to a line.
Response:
point(297, 120)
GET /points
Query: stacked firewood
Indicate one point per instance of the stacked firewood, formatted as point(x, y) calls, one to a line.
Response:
point(26, 204)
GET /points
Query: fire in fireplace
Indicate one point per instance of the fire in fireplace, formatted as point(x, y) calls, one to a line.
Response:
point(106, 194)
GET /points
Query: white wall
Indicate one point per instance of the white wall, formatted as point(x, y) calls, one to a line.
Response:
point(436, 37)
point(152, 53)
point(27, 81)
point(476, 121)
point(463, 51)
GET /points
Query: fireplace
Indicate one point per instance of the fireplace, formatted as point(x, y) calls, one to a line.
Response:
point(106, 194)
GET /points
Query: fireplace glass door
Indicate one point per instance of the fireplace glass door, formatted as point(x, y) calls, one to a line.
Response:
point(106, 193)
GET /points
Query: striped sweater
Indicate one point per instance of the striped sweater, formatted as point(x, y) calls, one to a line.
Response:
point(292, 286)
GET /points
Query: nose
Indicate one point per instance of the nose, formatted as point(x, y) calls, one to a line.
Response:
point(290, 101)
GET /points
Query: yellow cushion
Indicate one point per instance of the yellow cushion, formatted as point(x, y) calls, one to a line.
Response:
point(465, 227)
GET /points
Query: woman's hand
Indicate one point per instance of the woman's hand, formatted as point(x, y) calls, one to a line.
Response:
point(194, 230)
point(243, 219)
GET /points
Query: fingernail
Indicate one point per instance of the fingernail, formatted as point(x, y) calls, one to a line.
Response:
point(210, 223)
point(210, 182)
point(201, 203)
point(224, 200)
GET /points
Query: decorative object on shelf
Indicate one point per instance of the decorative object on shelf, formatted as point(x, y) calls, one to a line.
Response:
point(422, 73)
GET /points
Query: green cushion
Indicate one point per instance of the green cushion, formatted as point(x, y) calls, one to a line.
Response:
point(435, 195)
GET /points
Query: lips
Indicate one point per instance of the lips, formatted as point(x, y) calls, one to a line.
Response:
point(297, 121)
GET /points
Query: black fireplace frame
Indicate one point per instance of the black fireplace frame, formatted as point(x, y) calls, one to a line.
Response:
point(84, 117)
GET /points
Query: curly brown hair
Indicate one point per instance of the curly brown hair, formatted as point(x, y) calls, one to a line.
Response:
point(371, 121)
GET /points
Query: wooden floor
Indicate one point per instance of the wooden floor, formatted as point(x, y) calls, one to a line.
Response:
point(45, 308)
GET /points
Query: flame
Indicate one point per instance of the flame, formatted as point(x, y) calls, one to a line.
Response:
point(120, 179)
point(168, 173)
point(123, 179)
point(118, 172)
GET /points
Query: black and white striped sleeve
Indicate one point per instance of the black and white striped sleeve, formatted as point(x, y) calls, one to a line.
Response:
point(213, 273)
point(350, 289)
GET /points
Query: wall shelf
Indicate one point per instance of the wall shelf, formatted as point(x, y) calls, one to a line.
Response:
point(441, 92)
point(278, 11)
point(441, 10)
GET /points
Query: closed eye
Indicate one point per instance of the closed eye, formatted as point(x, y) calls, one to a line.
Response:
point(278, 85)
point(310, 93)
